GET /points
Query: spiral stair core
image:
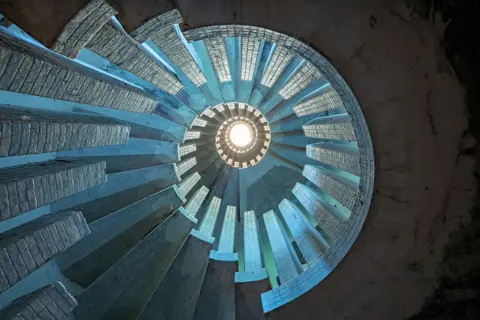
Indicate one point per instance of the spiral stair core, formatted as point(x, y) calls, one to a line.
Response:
point(125, 192)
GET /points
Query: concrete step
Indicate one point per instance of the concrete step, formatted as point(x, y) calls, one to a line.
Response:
point(130, 303)
point(286, 261)
point(26, 248)
point(135, 154)
point(186, 165)
point(176, 295)
point(209, 220)
point(28, 187)
point(251, 242)
point(82, 27)
point(226, 229)
point(40, 25)
point(23, 132)
point(186, 149)
point(113, 235)
point(106, 298)
point(309, 241)
point(216, 300)
point(273, 96)
point(327, 214)
point(30, 69)
point(122, 50)
point(343, 156)
point(161, 31)
point(308, 85)
point(249, 285)
point(274, 61)
point(343, 188)
point(196, 200)
point(187, 184)
point(51, 302)
point(331, 128)
point(327, 101)
point(121, 190)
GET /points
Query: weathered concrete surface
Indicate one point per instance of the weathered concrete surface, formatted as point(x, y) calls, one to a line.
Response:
point(162, 244)
point(217, 296)
point(248, 305)
point(177, 293)
point(413, 102)
point(50, 302)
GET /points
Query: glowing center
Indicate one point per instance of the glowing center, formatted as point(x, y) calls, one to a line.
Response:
point(240, 135)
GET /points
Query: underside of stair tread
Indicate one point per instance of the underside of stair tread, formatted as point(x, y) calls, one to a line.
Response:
point(248, 304)
point(132, 266)
point(217, 296)
point(177, 294)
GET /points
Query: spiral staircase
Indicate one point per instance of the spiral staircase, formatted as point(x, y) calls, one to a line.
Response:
point(123, 194)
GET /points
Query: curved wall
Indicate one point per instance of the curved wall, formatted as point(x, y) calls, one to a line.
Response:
point(414, 107)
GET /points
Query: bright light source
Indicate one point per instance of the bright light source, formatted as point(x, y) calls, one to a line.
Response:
point(240, 135)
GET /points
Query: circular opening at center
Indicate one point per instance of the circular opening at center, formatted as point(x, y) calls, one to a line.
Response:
point(240, 135)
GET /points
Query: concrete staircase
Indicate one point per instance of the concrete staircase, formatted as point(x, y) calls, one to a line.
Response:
point(117, 199)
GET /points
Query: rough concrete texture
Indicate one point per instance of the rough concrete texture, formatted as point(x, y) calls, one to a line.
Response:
point(85, 271)
point(217, 296)
point(394, 61)
point(248, 305)
point(52, 302)
point(110, 293)
point(27, 248)
point(275, 184)
point(177, 293)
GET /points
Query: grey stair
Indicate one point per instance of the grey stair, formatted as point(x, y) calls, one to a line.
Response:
point(329, 100)
point(115, 234)
point(162, 33)
point(287, 264)
point(336, 155)
point(249, 285)
point(135, 154)
point(196, 200)
point(310, 243)
point(322, 212)
point(99, 300)
point(82, 27)
point(30, 69)
point(121, 190)
point(217, 297)
point(176, 295)
point(187, 184)
point(24, 133)
point(331, 128)
point(115, 46)
point(186, 164)
point(28, 187)
point(26, 248)
point(342, 190)
point(130, 303)
point(186, 149)
point(51, 302)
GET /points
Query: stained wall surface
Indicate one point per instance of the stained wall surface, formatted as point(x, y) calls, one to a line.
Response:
point(414, 105)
